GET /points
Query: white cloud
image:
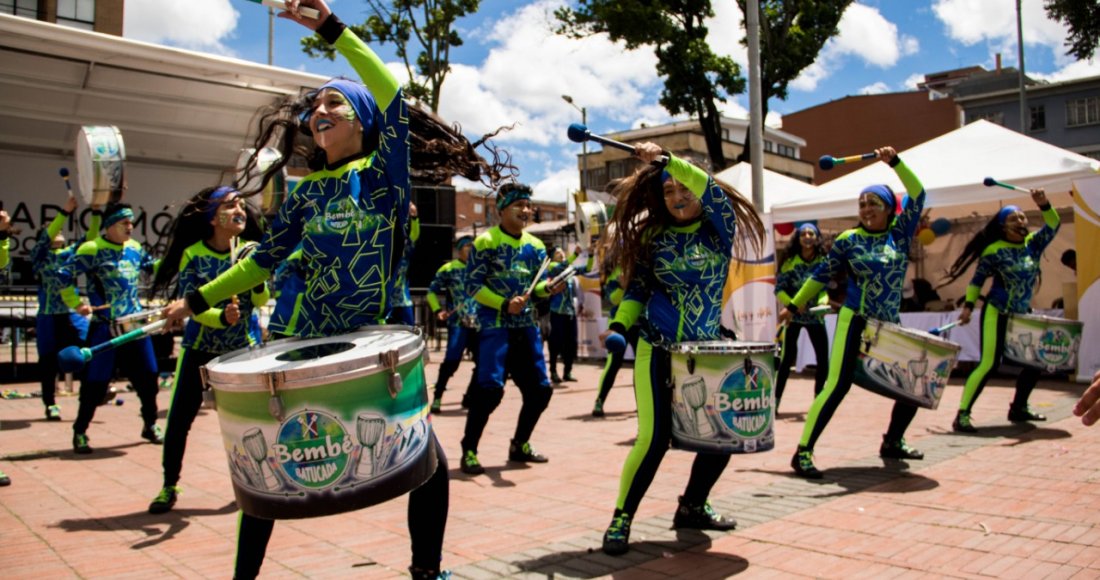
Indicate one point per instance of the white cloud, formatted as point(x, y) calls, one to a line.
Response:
point(863, 33)
point(724, 33)
point(875, 89)
point(994, 21)
point(910, 84)
point(1076, 70)
point(557, 185)
point(197, 24)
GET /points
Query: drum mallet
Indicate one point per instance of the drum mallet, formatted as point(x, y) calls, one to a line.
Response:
point(579, 134)
point(538, 276)
point(64, 172)
point(990, 182)
point(73, 358)
point(942, 329)
point(827, 162)
point(821, 310)
point(279, 4)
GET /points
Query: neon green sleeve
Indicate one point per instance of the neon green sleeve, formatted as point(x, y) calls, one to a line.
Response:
point(55, 226)
point(1051, 218)
point(972, 293)
point(693, 178)
point(489, 298)
point(371, 70)
point(414, 229)
point(69, 296)
point(909, 179)
point(244, 275)
point(262, 297)
point(783, 297)
point(617, 296)
point(93, 226)
point(808, 291)
point(212, 318)
point(628, 313)
point(5, 255)
point(542, 289)
point(433, 302)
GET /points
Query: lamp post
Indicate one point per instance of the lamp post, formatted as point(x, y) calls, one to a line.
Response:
point(584, 145)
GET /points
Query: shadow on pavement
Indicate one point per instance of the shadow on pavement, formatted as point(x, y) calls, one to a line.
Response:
point(151, 525)
point(1021, 432)
point(893, 477)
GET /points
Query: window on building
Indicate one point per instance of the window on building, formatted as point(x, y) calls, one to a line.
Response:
point(478, 208)
point(25, 8)
point(785, 150)
point(76, 13)
point(597, 178)
point(994, 117)
point(769, 146)
point(1038, 119)
point(1084, 111)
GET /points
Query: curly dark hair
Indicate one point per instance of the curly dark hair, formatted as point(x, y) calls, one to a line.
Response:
point(992, 232)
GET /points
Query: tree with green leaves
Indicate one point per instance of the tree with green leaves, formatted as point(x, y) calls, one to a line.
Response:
point(1083, 19)
point(695, 78)
point(428, 24)
point(792, 33)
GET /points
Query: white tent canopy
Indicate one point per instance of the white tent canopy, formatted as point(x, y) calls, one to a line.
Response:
point(777, 187)
point(952, 168)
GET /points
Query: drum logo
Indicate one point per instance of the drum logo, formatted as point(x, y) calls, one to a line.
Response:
point(745, 399)
point(313, 449)
point(1055, 347)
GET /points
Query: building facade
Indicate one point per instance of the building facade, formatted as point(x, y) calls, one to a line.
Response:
point(104, 16)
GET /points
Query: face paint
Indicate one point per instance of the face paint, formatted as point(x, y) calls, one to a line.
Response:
point(873, 201)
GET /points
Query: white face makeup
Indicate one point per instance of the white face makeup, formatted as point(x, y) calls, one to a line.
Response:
point(231, 216)
point(516, 216)
point(1016, 227)
point(872, 212)
point(334, 125)
point(681, 203)
point(120, 231)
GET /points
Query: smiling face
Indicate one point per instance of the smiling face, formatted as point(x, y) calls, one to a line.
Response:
point(120, 231)
point(873, 213)
point(681, 203)
point(231, 216)
point(334, 125)
point(515, 217)
point(1015, 227)
point(807, 238)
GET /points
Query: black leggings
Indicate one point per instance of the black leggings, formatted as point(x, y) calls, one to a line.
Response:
point(615, 362)
point(427, 520)
point(185, 405)
point(819, 339)
point(563, 341)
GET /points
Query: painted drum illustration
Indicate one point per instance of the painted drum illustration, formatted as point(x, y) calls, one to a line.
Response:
point(1043, 342)
point(905, 364)
point(100, 164)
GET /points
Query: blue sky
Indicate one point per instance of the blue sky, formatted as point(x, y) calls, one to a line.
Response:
point(512, 69)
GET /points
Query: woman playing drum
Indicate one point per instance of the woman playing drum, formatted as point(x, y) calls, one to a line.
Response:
point(359, 190)
point(875, 255)
point(676, 228)
point(1006, 252)
point(202, 245)
point(793, 273)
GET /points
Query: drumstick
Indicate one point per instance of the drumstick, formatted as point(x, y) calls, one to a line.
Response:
point(233, 260)
point(942, 329)
point(73, 358)
point(578, 133)
point(307, 12)
point(827, 162)
point(990, 182)
point(538, 275)
point(64, 172)
point(823, 309)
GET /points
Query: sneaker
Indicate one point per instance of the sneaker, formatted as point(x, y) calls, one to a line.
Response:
point(1022, 414)
point(437, 404)
point(164, 500)
point(701, 517)
point(597, 410)
point(554, 378)
point(962, 423)
point(616, 540)
point(425, 574)
point(569, 377)
point(53, 413)
point(153, 434)
point(470, 464)
point(803, 464)
point(4, 479)
point(517, 452)
point(898, 450)
point(80, 444)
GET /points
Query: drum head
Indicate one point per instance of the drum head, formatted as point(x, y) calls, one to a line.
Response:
point(100, 167)
point(721, 347)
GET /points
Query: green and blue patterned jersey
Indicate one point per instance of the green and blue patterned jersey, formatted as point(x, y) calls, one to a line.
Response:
point(403, 298)
point(206, 332)
point(350, 221)
point(288, 281)
point(613, 290)
point(47, 263)
point(113, 275)
point(792, 274)
point(679, 290)
point(1014, 268)
point(450, 283)
point(563, 302)
point(5, 257)
point(876, 261)
point(500, 268)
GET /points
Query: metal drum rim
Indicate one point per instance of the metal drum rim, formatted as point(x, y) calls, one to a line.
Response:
point(705, 347)
point(1045, 319)
point(916, 333)
point(298, 379)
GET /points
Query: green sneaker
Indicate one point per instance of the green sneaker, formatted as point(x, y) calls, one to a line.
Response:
point(524, 452)
point(803, 464)
point(597, 409)
point(4, 479)
point(616, 540)
point(53, 413)
point(898, 450)
point(962, 423)
point(153, 434)
point(436, 405)
point(1023, 414)
point(164, 500)
point(470, 464)
point(80, 444)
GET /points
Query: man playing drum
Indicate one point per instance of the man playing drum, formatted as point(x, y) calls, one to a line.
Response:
point(360, 190)
point(450, 283)
point(563, 316)
point(504, 270)
point(876, 256)
point(677, 259)
point(1007, 253)
point(113, 265)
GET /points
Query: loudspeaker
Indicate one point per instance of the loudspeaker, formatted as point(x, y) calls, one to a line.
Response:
point(435, 204)
point(433, 249)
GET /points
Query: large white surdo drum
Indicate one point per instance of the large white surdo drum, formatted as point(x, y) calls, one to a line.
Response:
point(100, 164)
point(723, 398)
point(591, 221)
point(904, 364)
point(1043, 342)
point(321, 426)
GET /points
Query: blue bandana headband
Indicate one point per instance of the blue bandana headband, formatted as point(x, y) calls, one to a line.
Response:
point(511, 193)
point(1002, 216)
point(810, 227)
point(360, 99)
point(885, 193)
point(121, 214)
point(214, 201)
point(463, 242)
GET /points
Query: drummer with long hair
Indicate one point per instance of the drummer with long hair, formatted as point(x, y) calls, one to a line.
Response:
point(359, 191)
point(112, 265)
point(204, 241)
point(875, 255)
point(806, 255)
point(1006, 252)
point(56, 325)
point(612, 290)
point(676, 226)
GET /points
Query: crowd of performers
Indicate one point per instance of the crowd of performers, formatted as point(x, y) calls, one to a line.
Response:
point(665, 264)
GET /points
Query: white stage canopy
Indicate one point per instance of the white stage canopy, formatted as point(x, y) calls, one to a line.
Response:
point(777, 187)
